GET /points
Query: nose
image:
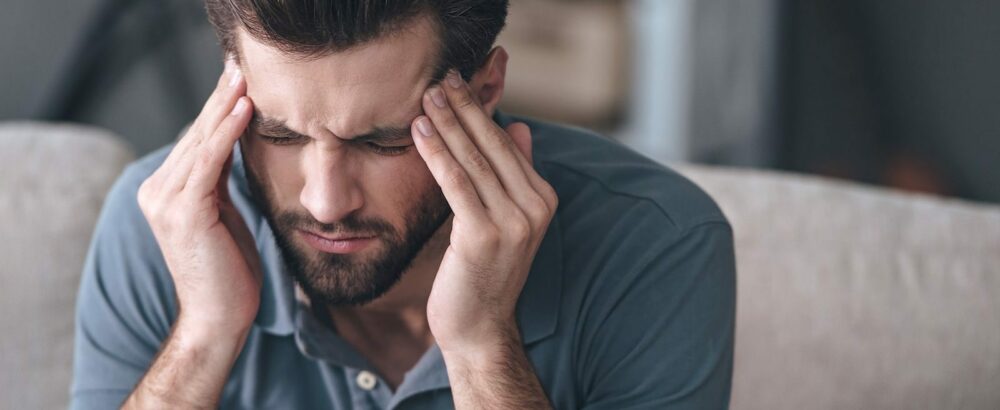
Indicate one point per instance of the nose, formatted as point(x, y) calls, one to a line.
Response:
point(331, 190)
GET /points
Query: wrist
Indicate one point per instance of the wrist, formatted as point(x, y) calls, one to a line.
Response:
point(193, 333)
point(191, 369)
point(486, 345)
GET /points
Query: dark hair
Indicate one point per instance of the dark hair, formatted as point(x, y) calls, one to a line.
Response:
point(314, 28)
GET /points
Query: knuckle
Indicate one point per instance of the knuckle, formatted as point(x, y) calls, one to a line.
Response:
point(204, 160)
point(537, 201)
point(455, 177)
point(144, 192)
point(499, 138)
point(144, 206)
point(448, 122)
point(478, 162)
point(517, 228)
point(463, 101)
point(537, 207)
point(146, 196)
point(487, 238)
point(196, 135)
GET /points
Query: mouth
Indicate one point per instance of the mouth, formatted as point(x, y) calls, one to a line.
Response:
point(340, 244)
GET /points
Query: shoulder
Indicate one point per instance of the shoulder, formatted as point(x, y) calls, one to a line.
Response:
point(143, 167)
point(125, 304)
point(125, 270)
point(602, 183)
point(121, 219)
point(647, 278)
point(630, 228)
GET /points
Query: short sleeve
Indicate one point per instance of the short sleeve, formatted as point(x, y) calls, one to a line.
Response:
point(125, 304)
point(664, 333)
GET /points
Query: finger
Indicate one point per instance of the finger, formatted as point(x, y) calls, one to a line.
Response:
point(469, 156)
point(227, 80)
point(231, 86)
point(521, 134)
point(179, 163)
point(210, 159)
point(222, 186)
point(496, 145)
point(455, 183)
point(224, 98)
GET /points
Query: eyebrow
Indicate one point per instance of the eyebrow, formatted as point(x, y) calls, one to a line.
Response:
point(262, 124)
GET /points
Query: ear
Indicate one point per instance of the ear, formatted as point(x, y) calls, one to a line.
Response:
point(487, 83)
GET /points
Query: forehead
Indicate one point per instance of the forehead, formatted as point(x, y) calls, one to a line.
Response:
point(345, 93)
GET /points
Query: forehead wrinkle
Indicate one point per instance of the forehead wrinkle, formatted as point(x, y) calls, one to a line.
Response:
point(345, 118)
point(381, 117)
point(347, 93)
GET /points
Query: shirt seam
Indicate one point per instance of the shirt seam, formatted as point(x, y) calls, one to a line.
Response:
point(692, 224)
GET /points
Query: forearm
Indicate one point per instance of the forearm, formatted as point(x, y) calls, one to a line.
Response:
point(495, 377)
point(189, 372)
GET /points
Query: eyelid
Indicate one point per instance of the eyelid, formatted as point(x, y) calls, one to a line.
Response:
point(388, 150)
point(278, 133)
point(389, 143)
point(280, 140)
point(386, 139)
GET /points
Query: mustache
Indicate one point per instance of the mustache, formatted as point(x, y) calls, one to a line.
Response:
point(352, 224)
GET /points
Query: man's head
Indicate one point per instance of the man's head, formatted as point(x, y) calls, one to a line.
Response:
point(335, 85)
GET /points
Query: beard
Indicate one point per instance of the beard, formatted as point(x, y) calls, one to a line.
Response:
point(350, 279)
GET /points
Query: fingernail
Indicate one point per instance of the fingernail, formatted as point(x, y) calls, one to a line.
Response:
point(437, 97)
point(234, 76)
point(240, 105)
point(424, 126)
point(453, 79)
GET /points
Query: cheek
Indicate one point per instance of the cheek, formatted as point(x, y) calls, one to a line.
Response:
point(277, 170)
point(395, 186)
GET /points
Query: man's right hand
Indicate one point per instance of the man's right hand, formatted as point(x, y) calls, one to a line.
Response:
point(205, 242)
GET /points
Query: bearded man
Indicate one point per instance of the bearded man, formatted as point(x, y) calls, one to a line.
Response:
point(350, 223)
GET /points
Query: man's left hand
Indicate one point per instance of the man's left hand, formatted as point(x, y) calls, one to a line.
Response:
point(501, 206)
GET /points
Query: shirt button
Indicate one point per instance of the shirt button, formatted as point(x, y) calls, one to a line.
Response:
point(366, 380)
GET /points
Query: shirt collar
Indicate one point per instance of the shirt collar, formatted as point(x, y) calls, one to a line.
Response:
point(537, 307)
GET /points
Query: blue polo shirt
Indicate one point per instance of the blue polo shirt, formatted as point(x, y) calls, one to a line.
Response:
point(629, 304)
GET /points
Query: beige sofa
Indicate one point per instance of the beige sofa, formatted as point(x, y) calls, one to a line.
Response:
point(849, 297)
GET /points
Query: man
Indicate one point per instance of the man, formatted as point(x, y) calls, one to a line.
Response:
point(350, 223)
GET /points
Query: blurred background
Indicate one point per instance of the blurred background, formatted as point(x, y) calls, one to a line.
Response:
point(900, 93)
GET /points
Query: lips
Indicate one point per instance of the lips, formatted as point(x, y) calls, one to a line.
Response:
point(337, 244)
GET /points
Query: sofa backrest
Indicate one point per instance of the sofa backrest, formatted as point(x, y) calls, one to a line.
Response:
point(851, 297)
point(53, 179)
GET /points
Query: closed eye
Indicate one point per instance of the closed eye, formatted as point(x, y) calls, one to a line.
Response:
point(281, 140)
point(387, 150)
